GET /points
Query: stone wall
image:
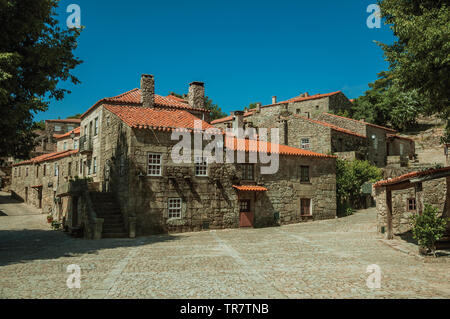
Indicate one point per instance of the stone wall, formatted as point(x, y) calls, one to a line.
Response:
point(435, 193)
point(22, 186)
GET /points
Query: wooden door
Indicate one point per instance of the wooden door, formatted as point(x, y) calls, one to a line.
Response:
point(246, 216)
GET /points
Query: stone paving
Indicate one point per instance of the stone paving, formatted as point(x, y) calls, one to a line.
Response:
point(325, 259)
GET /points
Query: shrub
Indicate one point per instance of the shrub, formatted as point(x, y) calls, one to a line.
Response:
point(428, 228)
point(350, 176)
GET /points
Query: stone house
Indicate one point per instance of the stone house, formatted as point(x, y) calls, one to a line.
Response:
point(400, 197)
point(36, 181)
point(305, 120)
point(136, 186)
point(68, 141)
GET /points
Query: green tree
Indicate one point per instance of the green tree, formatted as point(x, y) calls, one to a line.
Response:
point(387, 104)
point(215, 110)
point(40, 125)
point(428, 228)
point(350, 177)
point(35, 55)
point(420, 58)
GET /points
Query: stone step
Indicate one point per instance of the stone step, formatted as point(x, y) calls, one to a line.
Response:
point(115, 235)
point(108, 230)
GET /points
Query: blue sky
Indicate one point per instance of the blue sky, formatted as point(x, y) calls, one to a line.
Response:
point(244, 51)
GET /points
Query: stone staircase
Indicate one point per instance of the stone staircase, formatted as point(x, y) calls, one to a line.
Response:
point(107, 207)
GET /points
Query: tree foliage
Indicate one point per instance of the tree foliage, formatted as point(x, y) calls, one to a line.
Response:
point(215, 111)
point(428, 228)
point(350, 177)
point(35, 55)
point(387, 104)
point(420, 58)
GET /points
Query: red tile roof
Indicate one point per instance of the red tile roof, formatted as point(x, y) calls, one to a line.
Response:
point(408, 176)
point(251, 188)
point(133, 98)
point(366, 123)
point(229, 118)
point(333, 127)
point(156, 118)
point(246, 145)
point(307, 98)
point(76, 121)
point(47, 157)
point(60, 136)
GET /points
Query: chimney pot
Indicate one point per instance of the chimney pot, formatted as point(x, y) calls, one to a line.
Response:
point(147, 90)
point(274, 100)
point(196, 95)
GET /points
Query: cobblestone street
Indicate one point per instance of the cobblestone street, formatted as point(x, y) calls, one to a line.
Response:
point(325, 259)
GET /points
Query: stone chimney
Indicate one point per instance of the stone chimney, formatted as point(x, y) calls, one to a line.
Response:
point(196, 96)
point(147, 90)
point(274, 100)
point(238, 122)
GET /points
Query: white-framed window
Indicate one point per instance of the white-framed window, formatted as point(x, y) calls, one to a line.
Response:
point(174, 208)
point(154, 164)
point(95, 165)
point(201, 166)
point(305, 143)
point(96, 126)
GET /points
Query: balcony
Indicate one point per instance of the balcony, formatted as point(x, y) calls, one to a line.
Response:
point(86, 145)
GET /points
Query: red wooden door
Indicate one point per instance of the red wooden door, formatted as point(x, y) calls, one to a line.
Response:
point(246, 219)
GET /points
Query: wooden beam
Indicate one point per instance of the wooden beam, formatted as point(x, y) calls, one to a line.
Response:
point(390, 234)
point(430, 177)
point(419, 197)
point(400, 186)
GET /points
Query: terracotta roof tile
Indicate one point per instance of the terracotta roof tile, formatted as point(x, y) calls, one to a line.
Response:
point(76, 121)
point(47, 157)
point(76, 131)
point(366, 123)
point(230, 118)
point(408, 176)
point(155, 118)
point(133, 98)
point(333, 127)
point(250, 188)
point(246, 145)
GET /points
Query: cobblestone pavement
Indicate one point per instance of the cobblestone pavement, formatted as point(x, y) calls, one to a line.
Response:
point(326, 259)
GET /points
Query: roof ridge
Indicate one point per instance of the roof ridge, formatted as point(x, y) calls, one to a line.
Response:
point(332, 126)
point(367, 123)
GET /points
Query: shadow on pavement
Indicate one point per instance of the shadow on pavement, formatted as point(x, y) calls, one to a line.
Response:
point(21, 246)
